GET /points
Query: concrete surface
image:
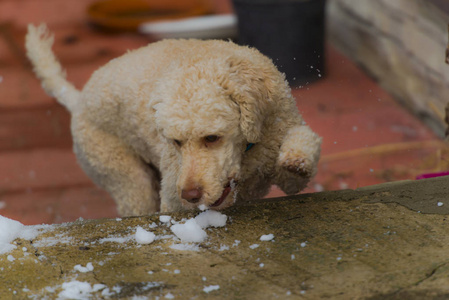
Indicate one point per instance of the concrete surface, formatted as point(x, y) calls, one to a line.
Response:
point(387, 241)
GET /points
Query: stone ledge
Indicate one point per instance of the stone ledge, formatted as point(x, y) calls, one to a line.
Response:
point(340, 245)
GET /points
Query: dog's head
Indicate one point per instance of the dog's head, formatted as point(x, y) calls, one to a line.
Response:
point(209, 115)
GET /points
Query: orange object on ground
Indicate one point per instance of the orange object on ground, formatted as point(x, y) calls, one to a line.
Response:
point(129, 14)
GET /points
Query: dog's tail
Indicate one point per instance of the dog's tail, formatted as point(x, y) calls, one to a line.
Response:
point(38, 44)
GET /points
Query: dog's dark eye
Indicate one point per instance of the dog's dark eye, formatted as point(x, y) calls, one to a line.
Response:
point(211, 138)
point(177, 142)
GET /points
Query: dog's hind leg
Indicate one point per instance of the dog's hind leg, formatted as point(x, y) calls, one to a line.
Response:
point(298, 159)
point(114, 166)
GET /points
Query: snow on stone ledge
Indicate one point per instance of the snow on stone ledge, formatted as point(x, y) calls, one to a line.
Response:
point(210, 288)
point(189, 232)
point(11, 230)
point(88, 268)
point(144, 237)
point(192, 229)
point(211, 218)
point(267, 237)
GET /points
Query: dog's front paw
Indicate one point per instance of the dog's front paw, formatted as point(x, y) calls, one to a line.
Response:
point(300, 151)
point(299, 165)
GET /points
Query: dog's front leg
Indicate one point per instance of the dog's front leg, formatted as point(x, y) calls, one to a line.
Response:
point(114, 166)
point(170, 164)
point(298, 159)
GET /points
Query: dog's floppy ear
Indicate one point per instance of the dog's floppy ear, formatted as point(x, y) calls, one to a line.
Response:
point(248, 86)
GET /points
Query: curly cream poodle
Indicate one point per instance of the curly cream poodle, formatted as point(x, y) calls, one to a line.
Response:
point(183, 124)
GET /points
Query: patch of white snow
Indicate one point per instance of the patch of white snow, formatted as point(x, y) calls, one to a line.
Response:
point(144, 237)
point(211, 218)
point(202, 207)
point(79, 290)
point(11, 229)
point(267, 237)
point(210, 288)
point(254, 246)
point(223, 248)
point(116, 239)
point(185, 247)
point(88, 268)
point(190, 231)
point(164, 219)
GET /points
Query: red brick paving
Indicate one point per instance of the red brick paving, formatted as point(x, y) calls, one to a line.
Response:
point(368, 138)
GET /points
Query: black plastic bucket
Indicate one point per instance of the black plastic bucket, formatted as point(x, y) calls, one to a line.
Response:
point(290, 32)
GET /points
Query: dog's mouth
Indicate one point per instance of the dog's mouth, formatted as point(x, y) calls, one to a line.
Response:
point(223, 196)
point(226, 191)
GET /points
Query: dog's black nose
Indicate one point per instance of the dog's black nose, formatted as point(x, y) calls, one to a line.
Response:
point(192, 195)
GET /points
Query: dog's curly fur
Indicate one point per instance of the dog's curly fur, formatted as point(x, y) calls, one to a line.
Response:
point(174, 118)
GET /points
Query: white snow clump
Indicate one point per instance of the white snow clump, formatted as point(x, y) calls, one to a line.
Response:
point(190, 231)
point(254, 246)
point(164, 219)
point(80, 290)
point(88, 268)
point(144, 237)
point(11, 230)
point(267, 237)
point(211, 218)
point(202, 207)
point(211, 288)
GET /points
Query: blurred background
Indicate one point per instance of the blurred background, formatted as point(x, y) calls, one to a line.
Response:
point(369, 76)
